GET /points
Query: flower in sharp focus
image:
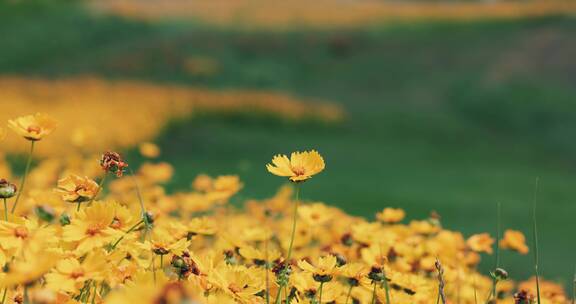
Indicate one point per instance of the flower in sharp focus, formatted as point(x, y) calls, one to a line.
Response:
point(299, 167)
point(74, 188)
point(514, 240)
point(480, 243)
point(7, 189)
point(324, 270)
point(33, 127)
point(390, 215)
point(113, 162)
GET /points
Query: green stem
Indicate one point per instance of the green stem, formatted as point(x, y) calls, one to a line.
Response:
point(267, 272)
point(535, 240)
point(374, 294)
point(23, 181)
point(386, 287)
point(320, 293)
point(289, 255)
point(100, 186)
point(141, 201)
point(349, 293)
point(26, 299)
point(5, 210)
point(78, 206)
point(4, 295)
point(127, 232)
point(95, 292)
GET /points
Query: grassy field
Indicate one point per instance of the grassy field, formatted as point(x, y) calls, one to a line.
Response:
point(451, 117)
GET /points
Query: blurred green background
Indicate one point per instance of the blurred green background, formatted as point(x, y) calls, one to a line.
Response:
point(444, 115)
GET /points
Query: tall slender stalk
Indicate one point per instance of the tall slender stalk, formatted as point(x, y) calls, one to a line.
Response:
point(349, 293)
point(4, 295)
point(497, 248)
point(5, 210)
point(127, 232)
point(535, 240)
point(289, 254)
point(320, 293)
point(374, 294)
point(23, 181)
point(386, 287)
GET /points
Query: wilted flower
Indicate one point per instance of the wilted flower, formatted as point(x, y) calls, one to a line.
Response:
point(33, 127)
point(76, 189)
point(7, 189)
point(514, 240)
point(112, 162)
point(299, 167)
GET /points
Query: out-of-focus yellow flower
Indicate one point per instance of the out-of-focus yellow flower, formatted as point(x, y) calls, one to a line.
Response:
point(258, 257)
point(74, 188)
point(480, 243)
point(33, 127)
point(239, 282)
point(2, 133)
point(27, 269)
point(148, 149)
point(156, 173)
point(299, 167)
point(391, 215)
point(202, 183)
point(514, 240)
point(325, 269)
point(224, 187)
point(315, 214)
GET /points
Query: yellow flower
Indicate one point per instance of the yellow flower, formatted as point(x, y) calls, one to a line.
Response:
point(202, 183)
point(74, 188)
point(91, 228)
point(224, 187)
point(514, 240)
point(300, 167)
point(149, 150)
point(2, 133)
point(259, 257)
point(315, 214)
point(69, 274)
point(391, 215)
point(326, 268)
point(480, 243)
point(29, 268)
point(33, 127)
point(239, 282)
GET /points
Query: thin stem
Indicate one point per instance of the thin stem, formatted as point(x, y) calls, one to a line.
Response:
point(349, 293)
point(386, 288)
point(4, 295)
point(535, 239)
point(294, 220)
point(122, 237)
point(574, 288)
point(26, 299)
point(320, 293)
point(374, 294)
point(498, 232)
point(78, 206)
point(95, 292)
point(267, 272)
point(23, 181)
point(100, 185)
point(5, 210)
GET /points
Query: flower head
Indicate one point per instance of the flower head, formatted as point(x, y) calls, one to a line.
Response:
point(149, 150)
point(74, 188)
point(514, 240)
point(299, 167)
point(480, 243)
point(113, 162)
point(7, 189)
point(390, 215)
point(324, 270)
point(33, 127)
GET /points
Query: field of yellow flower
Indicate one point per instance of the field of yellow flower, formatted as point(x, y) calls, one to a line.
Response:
point(84, 230)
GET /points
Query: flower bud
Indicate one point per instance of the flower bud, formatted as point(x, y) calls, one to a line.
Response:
point(7, 190)
point(45, 213)
point(64, 219)
point(500, 274)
